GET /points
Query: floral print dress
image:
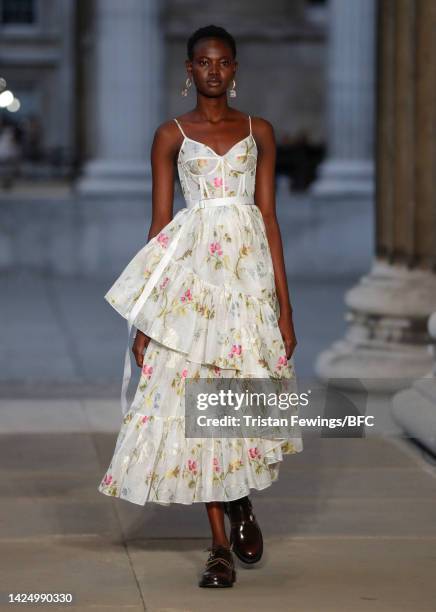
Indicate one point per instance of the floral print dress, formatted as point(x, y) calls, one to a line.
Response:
point(203, 290)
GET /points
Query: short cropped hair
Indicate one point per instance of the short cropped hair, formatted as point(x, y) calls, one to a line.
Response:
point(210, 31)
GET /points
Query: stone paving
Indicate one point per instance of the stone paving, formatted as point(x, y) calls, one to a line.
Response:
point(348, 527)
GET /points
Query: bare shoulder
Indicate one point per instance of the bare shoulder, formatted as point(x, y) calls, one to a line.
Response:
point(167, 136)
point(263, 131)
point(167, 129)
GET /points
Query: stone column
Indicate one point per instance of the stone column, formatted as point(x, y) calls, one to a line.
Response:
point(348, 169)
point(414, 409)
point(64, 120)
point(127, 104)
point(388, 310)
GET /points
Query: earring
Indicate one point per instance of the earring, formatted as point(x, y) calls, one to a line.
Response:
point(232, 91)
point(188, 84)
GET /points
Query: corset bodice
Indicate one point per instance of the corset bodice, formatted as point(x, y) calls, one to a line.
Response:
point(204, 174)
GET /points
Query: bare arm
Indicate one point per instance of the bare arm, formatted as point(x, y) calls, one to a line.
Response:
point(165, 145)
point(265, 200)
point(163, 150)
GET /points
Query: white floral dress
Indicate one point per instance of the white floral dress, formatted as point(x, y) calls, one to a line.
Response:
point(203, 290)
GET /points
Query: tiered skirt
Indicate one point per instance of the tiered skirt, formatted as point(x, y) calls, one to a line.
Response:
point(212, 313)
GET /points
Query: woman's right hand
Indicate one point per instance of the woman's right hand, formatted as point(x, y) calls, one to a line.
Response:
point(138, 348)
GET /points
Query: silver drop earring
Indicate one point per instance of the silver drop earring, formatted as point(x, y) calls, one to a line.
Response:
point(232, 91)
point(188, 84)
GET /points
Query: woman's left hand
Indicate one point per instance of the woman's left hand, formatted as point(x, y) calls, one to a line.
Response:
point(286, 327)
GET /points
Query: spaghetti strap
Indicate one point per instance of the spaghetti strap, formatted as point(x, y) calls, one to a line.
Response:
point(249, 119)
point(180, 128)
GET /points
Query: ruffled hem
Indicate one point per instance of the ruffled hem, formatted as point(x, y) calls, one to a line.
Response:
point(243, 491)
point(211, 325)
point(196, 470)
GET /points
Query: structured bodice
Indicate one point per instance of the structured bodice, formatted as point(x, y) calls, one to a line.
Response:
point(204, 174)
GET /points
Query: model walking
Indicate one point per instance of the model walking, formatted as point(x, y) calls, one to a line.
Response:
point(208, 297)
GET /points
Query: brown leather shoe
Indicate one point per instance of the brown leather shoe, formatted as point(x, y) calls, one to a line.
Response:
point(245, 534)
point(220, 569)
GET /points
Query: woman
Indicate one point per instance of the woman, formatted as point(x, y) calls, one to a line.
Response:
point(208, 296)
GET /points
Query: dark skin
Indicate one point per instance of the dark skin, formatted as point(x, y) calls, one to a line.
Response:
point(219, 126)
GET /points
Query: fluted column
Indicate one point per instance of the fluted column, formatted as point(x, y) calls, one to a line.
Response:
point(389, 309)
point(349, 167)
point(127, 72)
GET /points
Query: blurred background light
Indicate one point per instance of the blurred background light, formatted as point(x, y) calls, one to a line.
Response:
point(6, 98)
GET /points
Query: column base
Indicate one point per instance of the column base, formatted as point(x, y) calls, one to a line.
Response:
point(387, 340)
point(341, 177)
point(115, 177)
point(414, 410)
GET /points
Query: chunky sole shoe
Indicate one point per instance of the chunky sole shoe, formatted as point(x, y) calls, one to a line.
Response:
point(245, 535)
point(248, 560)
point(219, 571)
point(217, 583)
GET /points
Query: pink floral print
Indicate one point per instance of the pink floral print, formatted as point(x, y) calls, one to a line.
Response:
point(215, 248)
point(236, 350)
point(254, 453)
point(187, 296)
point(165, 282)
point(147, 370)
point(192, 466)
point(162, 239)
